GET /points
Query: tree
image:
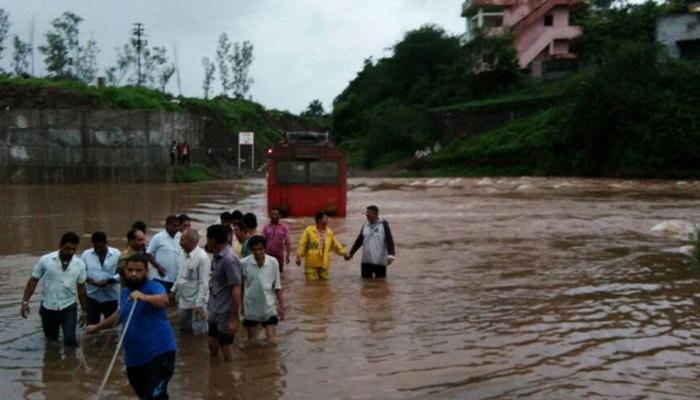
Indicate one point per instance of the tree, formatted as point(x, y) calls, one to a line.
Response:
point(140, 65)
point(240, 61)
point(209, 70)
point(223, 51)
point(140, 52)
point(56, 55)
point(20, 61)
point(125, 59)
point(64, 56)
point(493, 63)
point(234, 60)
point(86, 67)
point(4, 28)
point(606, 26)
point(158, 68)
point(314, 110)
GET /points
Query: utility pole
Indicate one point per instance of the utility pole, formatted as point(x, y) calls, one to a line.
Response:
point(139, 42)
point(177, 68)
point(32, 28)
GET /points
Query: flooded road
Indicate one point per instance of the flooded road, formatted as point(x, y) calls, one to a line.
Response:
point(503, 288)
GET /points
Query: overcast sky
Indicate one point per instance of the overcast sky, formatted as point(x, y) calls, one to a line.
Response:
point(304, 49)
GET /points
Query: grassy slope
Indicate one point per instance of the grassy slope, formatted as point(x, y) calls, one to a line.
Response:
point(517, 148)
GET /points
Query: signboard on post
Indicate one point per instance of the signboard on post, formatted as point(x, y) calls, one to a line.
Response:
point(246, 139)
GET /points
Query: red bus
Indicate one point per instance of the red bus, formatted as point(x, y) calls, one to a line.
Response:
point(307, 174)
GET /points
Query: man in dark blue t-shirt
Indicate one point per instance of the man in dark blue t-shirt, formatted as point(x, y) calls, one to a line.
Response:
point(149, 342)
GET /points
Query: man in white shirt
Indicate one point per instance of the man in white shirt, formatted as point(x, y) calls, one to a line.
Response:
point(191, 287)
point(263, 303)
point(102, 278)
point(164, 253)
point(63, 277)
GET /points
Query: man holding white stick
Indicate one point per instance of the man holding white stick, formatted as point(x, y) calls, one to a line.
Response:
point(149, 342)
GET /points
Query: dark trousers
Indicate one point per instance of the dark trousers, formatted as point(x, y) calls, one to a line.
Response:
point(66, 319)
point(280, 261)
point(368, 270)
point(95, 309)
point(150, 381)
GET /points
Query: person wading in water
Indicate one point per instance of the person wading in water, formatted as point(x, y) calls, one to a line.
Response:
point(316, 244)
point(63, 277)
point(149, 342)
point(377, 245)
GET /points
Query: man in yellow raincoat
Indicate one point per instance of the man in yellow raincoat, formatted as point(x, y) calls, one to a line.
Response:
point(316, 245)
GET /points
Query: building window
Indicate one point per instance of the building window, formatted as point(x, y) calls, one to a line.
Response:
point(548, 20)
point(689, 49)
point(492, 21)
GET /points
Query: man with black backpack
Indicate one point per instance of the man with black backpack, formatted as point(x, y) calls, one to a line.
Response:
point(377, 245)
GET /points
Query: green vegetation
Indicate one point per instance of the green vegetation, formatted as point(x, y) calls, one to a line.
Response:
point(643, 125)
point(192, 173)
point(382, 116)
point(628, 111)
point(127, 97)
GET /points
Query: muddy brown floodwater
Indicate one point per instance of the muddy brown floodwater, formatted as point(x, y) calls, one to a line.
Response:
point(503, 288)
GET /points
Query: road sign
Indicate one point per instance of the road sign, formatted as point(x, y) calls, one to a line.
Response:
point(245, 138)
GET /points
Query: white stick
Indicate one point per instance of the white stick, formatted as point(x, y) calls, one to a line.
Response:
point(116, 352)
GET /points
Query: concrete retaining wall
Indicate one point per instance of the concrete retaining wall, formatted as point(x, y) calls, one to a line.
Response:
point(70, 145)
point(460, 123)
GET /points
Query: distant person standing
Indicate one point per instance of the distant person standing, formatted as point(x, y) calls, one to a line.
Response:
point(377, 245)
point(185, 153)
point(102, 278)
point(173, 152)
point(149, 342)
point(63, 276)
point(224, 293)
point(276, 234)
point(179, 153)
point(164, 253)
point(316, 244)
point(263, 303)
point(191, 287)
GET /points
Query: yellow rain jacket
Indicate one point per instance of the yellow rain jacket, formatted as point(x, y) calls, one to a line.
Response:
point(310, 248)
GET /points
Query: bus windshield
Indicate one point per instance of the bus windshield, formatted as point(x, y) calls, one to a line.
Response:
point(307, 172)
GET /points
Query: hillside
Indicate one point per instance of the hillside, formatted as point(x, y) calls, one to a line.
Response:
point(223, 117)
point(629, 111)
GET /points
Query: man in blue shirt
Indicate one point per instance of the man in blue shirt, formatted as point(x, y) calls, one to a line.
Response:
point(63, 278)
point(102, 278)
point(149, 342)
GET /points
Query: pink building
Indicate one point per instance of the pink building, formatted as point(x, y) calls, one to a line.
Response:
point(541, 27)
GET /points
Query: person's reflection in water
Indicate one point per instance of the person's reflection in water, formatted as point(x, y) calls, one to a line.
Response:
point(58, 372)
point(316, 304)
point(378, 307)
point(262, 373)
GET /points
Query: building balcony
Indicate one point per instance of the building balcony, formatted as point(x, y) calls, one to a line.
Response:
point(469, 6)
